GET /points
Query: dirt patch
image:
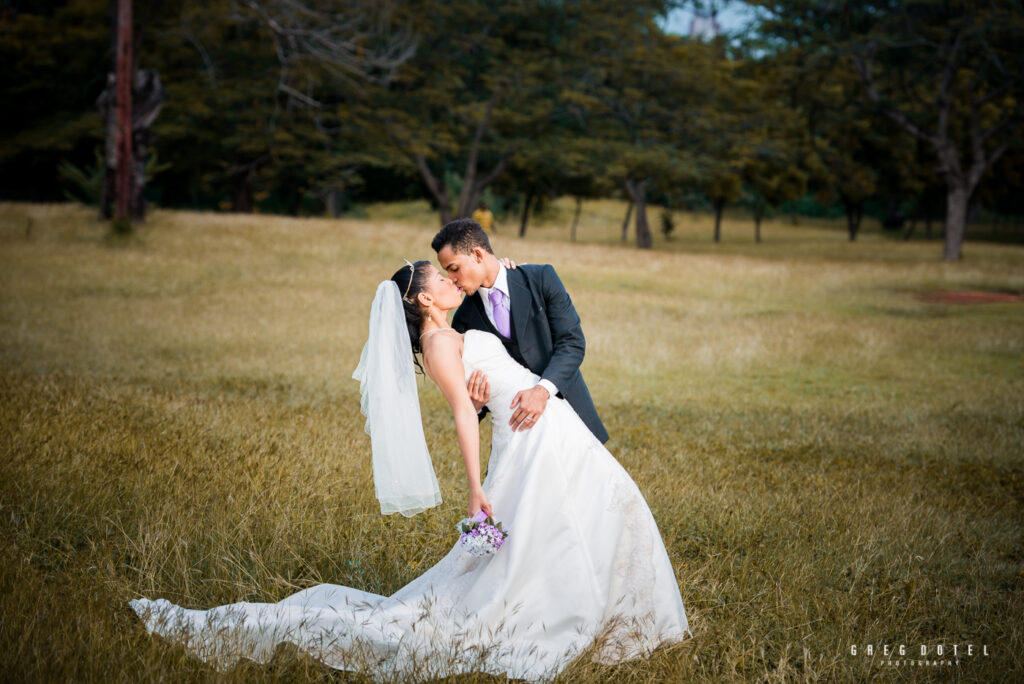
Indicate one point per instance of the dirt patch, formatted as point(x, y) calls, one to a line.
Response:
point(969, 296)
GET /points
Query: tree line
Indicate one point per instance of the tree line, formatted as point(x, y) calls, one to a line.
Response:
point(309, 106)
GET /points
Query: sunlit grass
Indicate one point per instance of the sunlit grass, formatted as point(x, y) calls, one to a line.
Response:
point(831, 461)
point(783, 237)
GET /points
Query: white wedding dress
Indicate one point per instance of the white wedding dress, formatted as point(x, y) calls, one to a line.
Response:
point(584, 565)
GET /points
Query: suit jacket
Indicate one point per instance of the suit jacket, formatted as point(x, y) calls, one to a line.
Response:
point(546, 334)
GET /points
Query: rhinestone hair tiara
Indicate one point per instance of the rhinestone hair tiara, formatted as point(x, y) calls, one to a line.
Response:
point(412, 272)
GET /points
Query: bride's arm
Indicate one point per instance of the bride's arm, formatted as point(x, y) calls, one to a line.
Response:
point(443, 363)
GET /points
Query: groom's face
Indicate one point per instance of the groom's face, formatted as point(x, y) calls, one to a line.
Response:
point(467, 271)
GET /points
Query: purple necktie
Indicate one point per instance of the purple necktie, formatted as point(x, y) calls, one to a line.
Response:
point(500, 312)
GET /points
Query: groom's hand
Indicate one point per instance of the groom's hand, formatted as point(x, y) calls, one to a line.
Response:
point(479, 389)
point(531, 403)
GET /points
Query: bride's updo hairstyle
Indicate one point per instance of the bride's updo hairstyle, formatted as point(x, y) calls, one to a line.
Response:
point(411, 281)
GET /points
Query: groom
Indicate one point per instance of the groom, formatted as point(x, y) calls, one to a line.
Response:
point(530, 312)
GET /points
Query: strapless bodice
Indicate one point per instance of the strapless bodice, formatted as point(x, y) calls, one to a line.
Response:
point(483, 351)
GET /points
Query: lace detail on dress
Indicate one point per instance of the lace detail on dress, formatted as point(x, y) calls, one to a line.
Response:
point(629, 629)
point(634, 565)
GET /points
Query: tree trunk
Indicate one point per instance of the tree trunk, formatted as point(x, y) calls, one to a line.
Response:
point(140, 147)
point(758, 215)
point(973, 213)
point(107, 104)
point(240, 184)
point(625, 221)
point(526, 214)
point(638, 191)
point(123, 180)
point(470, 192)
point(956, 218)
point(719, 205)
point(147, 100)
point(334, 201)
point(469, 201)
point(576, 219)
point(854, 212)
point(472, 187)
point(436, 187)
point(241, 193)
point(911, 227)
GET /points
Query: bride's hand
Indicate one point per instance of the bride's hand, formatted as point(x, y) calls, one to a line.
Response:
point(479, 390)
point(478, 501)
point(508, 263)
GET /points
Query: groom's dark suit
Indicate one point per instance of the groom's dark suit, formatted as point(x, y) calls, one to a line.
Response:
point(546, 334)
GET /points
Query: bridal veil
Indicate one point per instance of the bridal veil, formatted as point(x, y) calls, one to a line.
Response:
point(403, 474)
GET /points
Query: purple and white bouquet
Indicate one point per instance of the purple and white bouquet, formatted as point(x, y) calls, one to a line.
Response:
point(480, 535)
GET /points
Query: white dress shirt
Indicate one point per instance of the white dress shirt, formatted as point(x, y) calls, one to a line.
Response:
point(501, 284)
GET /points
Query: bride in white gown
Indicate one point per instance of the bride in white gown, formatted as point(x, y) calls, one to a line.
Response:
point(584, 564)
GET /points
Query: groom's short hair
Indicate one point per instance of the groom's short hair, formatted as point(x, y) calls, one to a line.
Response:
point(462, 235)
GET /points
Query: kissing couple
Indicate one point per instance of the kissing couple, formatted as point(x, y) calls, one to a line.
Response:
point(584, 566)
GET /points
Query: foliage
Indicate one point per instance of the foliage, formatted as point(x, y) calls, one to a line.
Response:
point(83, 185)
point(55, 65)
point(305, 107)
point(950, 74)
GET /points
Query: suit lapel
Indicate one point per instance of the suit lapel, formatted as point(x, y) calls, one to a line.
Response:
point(478, 308)
point(519, 293)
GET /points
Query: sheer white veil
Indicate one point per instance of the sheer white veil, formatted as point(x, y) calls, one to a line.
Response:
point(403, 474)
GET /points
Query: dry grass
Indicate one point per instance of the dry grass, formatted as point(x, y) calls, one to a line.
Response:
point(830, 460)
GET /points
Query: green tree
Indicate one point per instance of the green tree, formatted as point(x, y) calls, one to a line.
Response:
point(772, 180)
point(951, 74)
point(272, 89)
point(730, 130)
point(775, 150)
point(56, 59)
point(631, 95)
point(478, 90)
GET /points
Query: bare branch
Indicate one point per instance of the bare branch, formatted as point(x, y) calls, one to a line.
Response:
point(997, 153)
point(942, 99)
point(998, 92)
point(864, 69)
point(950, 69)
point(493, 173)
point(305, 99)
point(630, 189)
point(979, 161)
point(434, 184)
point(469, 185)
point(203, 54)
point(358, 43)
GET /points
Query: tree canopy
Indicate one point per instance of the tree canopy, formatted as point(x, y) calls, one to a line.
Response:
point(307, 106)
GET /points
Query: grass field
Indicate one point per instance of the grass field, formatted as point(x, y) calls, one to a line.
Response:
point(831, 460)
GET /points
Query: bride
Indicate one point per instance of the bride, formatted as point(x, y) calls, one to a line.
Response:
point(583, 567)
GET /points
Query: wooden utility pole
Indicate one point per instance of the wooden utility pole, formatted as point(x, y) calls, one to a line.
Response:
point(123, 179)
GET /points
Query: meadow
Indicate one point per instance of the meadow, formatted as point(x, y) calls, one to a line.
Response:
point(832, 460)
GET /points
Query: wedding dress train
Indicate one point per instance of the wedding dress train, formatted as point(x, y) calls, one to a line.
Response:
point(584, 564)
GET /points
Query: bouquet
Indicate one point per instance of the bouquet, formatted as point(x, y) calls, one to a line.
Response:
point(480, 535)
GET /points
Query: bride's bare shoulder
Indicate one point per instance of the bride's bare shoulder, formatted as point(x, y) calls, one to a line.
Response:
point(440, 349)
